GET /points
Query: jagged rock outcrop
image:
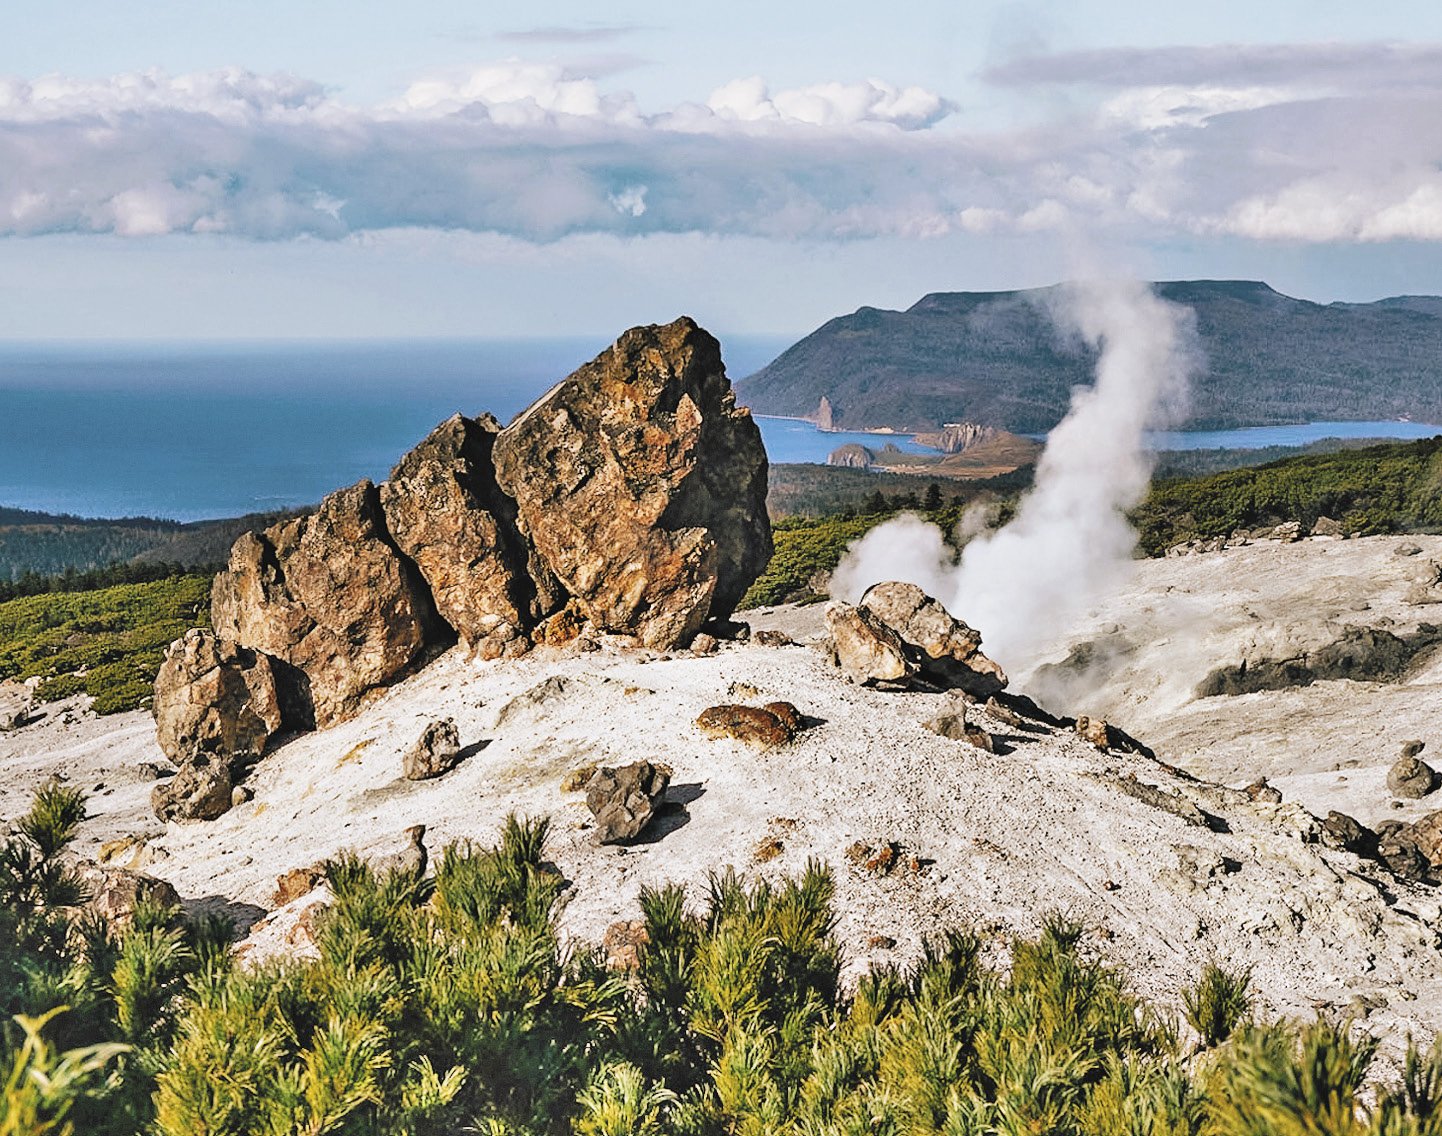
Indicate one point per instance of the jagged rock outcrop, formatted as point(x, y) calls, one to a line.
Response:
point(944, 648)
point(642, 486)
point(215, 697)
point(331, 597)
point(445, 512)
point(629, 499)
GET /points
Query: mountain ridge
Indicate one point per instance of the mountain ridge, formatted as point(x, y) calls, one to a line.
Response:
point(998, 359)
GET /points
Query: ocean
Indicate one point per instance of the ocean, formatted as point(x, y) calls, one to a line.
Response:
point(194, 431)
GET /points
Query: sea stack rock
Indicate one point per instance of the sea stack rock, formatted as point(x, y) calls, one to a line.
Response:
point(332, 598)
point(642, 486)
point(446, 513)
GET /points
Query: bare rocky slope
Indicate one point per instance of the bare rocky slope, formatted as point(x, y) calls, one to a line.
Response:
point(1166, 880)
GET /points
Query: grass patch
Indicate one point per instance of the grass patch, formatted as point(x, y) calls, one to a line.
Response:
point(106, 643)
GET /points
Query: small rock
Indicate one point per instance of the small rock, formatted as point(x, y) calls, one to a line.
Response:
point(703, 644)
point(880, 942)
point(1094, 730)
point(436, 751)
point(771, 638)
point(624, 800)
point(768, 848)
point(240, 795)
point(1411, 778)
point(16, 702)
point(297, 882)
point(1347, 834)
point(410, 860)
point(1005, 715)
point(576, 779)
point(197, 792)
point(1407, 550)
point(623, 943)
point(1260, 790)
point(1326, 526)
point(151, 771)
point(953, 724)
point(1413, 747)
point(765, 728)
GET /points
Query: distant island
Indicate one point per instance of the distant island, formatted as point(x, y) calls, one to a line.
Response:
point(995, 359)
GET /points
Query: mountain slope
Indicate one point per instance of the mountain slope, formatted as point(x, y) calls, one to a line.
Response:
point(997, 358)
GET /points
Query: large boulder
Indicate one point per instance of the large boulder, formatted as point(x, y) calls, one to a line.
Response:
point(436, 751)
point(866, 650)
point(200, 790)
point(945, 649)
point(215, 697)
point(445, 511)
point(642, 486)
point(331, 597)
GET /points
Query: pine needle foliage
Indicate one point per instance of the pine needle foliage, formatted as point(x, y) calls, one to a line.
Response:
point(450, 1005)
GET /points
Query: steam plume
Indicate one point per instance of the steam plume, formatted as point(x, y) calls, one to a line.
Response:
point(1070, 542)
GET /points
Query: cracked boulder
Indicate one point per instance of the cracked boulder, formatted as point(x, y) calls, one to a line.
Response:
point(215, 698)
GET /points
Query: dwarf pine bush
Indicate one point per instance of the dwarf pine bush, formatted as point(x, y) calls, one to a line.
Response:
point(450, 1005)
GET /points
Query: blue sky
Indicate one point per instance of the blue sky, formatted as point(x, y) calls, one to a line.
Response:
point(197, 169)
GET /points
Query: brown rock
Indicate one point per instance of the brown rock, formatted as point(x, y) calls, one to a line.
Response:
point(445, 511)
point(16, 702)
point(704, 644)
point(562, 628)
point(436, 751)
point(117, 892)
point(624, 800)
point(1325, 526)
point(1426, 836)
point(945, 649)
point(200, 790)
point(578, 778)
point(1411, 778)
point(1413, 747)
point(866, 650)
point(214, 697)
point(770, 638)
point(1260, 790)
point(1094, 730)
point(642, 486)
point(296, 883)
point(329, 596)
point(623, 943)
point(1347, 834)
point(762, 728)
point(953, 724)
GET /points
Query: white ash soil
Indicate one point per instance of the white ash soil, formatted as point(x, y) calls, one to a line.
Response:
point(1328, 745)
point(1005, 839)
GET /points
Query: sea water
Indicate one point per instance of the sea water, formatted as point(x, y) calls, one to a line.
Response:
point(196, 431)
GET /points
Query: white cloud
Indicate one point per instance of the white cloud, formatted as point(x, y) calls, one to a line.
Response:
point(1299, 144)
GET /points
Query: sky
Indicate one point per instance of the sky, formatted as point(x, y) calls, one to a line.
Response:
point(193, 169)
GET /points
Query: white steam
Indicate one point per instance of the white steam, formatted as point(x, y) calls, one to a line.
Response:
point(1070, 543)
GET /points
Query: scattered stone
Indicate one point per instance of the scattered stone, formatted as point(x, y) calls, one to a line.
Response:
point(1411, 778)
point(944, 648)
point(445, 511)
point(880, 943)
point(576, 779)
point(762, 727)
point(866, 650)
point(1428, 588)
point(1426, 834)
point(1263, 792)
point(704, 644)
point(153, 771)
point(1413, 747)
point(200, 790)
point(1326, 526)
point(1094, 730)
point(623, 943)
point(1005, 715)
point(117, 892)
point(1346, 834)
point(297, 882)
point(16, 702)
point(882, 858)
point(240, 795)
point(624, 800)
point(954, 725)
point(1288, 531)
point(410, 860)
point(1407, 550)
point(642, 487)
point(767, 637)
point(768, 848)
point(436, 751)
point(1158, 798)
point(1401, 855)
point(127, 852)
point(743, 691)
point(331, 597)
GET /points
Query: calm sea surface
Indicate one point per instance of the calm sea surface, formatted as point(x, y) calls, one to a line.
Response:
point(191, 431)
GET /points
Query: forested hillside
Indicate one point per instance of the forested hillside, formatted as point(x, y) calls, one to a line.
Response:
point(996, 358)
